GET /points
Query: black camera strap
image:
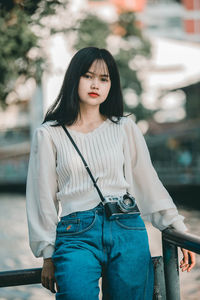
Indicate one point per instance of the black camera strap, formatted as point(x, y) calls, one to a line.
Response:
point(85, 164)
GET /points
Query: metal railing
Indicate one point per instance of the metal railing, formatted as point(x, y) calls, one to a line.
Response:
point(20, 277)
point(171, 239)
point(166, 268)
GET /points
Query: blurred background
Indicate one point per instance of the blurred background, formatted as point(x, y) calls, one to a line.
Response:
point(156, 44)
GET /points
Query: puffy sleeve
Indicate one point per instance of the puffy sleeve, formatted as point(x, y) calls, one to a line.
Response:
point(154, 201)
point(41, 188)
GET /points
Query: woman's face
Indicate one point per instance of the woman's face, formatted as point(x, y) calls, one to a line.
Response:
point(95, 84)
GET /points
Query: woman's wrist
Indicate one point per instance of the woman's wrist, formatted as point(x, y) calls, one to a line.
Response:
point(48, 259)
point(48, 251)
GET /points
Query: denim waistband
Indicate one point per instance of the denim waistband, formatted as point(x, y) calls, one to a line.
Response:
point(99, 208)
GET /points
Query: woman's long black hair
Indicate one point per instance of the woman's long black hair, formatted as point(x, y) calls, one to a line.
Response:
point(66, 107)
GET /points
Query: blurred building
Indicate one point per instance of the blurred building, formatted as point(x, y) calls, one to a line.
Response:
point(178, 19)
point(173, 19)
point(191, 19)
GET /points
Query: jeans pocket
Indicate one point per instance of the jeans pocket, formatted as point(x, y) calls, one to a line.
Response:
point(131, 222)
point(75, 226)
point(68, 226)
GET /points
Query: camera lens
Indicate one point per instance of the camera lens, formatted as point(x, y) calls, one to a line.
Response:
point(128, 202)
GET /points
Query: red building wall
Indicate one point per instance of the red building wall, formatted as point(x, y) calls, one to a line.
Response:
point(191, 19)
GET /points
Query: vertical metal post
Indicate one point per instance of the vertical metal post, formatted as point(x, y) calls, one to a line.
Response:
point(159, 280)
point(171, 270)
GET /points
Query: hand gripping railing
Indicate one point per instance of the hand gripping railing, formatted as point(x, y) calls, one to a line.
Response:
point(171, 239)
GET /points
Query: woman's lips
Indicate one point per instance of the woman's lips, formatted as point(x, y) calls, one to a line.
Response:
point(93, 95)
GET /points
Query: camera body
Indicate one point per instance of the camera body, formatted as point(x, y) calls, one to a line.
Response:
point(117, 205)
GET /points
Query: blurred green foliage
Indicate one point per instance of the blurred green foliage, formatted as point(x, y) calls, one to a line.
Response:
point(91, 31)
point(17, 40)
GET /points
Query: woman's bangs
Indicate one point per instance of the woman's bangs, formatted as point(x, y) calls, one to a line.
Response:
point(100, 67)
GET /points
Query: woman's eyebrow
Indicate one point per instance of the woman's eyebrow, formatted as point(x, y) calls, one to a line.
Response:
point(103, 75)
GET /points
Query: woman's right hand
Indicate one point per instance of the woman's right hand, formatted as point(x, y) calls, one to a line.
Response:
point(47, 276)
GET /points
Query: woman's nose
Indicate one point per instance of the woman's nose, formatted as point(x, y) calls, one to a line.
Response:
point(95, 83)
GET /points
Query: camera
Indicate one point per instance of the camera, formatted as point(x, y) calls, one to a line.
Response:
point(117, 205)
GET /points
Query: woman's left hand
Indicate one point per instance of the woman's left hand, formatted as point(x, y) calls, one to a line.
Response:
point(189, 260)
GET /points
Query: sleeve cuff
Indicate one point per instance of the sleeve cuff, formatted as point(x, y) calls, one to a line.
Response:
point(179, 226)
point(48, 251)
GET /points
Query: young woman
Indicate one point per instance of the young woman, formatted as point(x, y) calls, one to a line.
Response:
point(80, 243)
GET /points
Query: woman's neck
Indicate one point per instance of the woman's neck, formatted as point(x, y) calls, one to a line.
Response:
point(89, 118)
point(85, 126)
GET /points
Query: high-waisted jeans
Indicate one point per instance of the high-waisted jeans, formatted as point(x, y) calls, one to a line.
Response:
point(90, 246)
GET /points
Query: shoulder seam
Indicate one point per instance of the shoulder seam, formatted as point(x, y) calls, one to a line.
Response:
point(45, 128)
point(127, 119)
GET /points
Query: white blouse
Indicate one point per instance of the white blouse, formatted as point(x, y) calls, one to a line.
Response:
point(116, 154)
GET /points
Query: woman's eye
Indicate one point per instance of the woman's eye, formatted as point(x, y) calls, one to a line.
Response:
point(104, 79)
point(87, 76)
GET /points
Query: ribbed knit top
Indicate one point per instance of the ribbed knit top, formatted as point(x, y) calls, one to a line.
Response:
point(103, 154)
point(57, 174)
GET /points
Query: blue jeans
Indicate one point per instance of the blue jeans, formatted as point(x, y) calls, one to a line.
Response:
point(89, 246)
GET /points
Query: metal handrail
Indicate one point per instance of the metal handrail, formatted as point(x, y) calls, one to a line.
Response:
point(171, 239)
point(20, 277)
point(184, 240)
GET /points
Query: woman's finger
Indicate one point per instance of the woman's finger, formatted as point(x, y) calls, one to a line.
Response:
point(184, 262)
point(188, 261)
point(47, 283)
point(56, 286)
point(43, 280)
point(51, 285)
point(192, 259)
point(185, 256)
